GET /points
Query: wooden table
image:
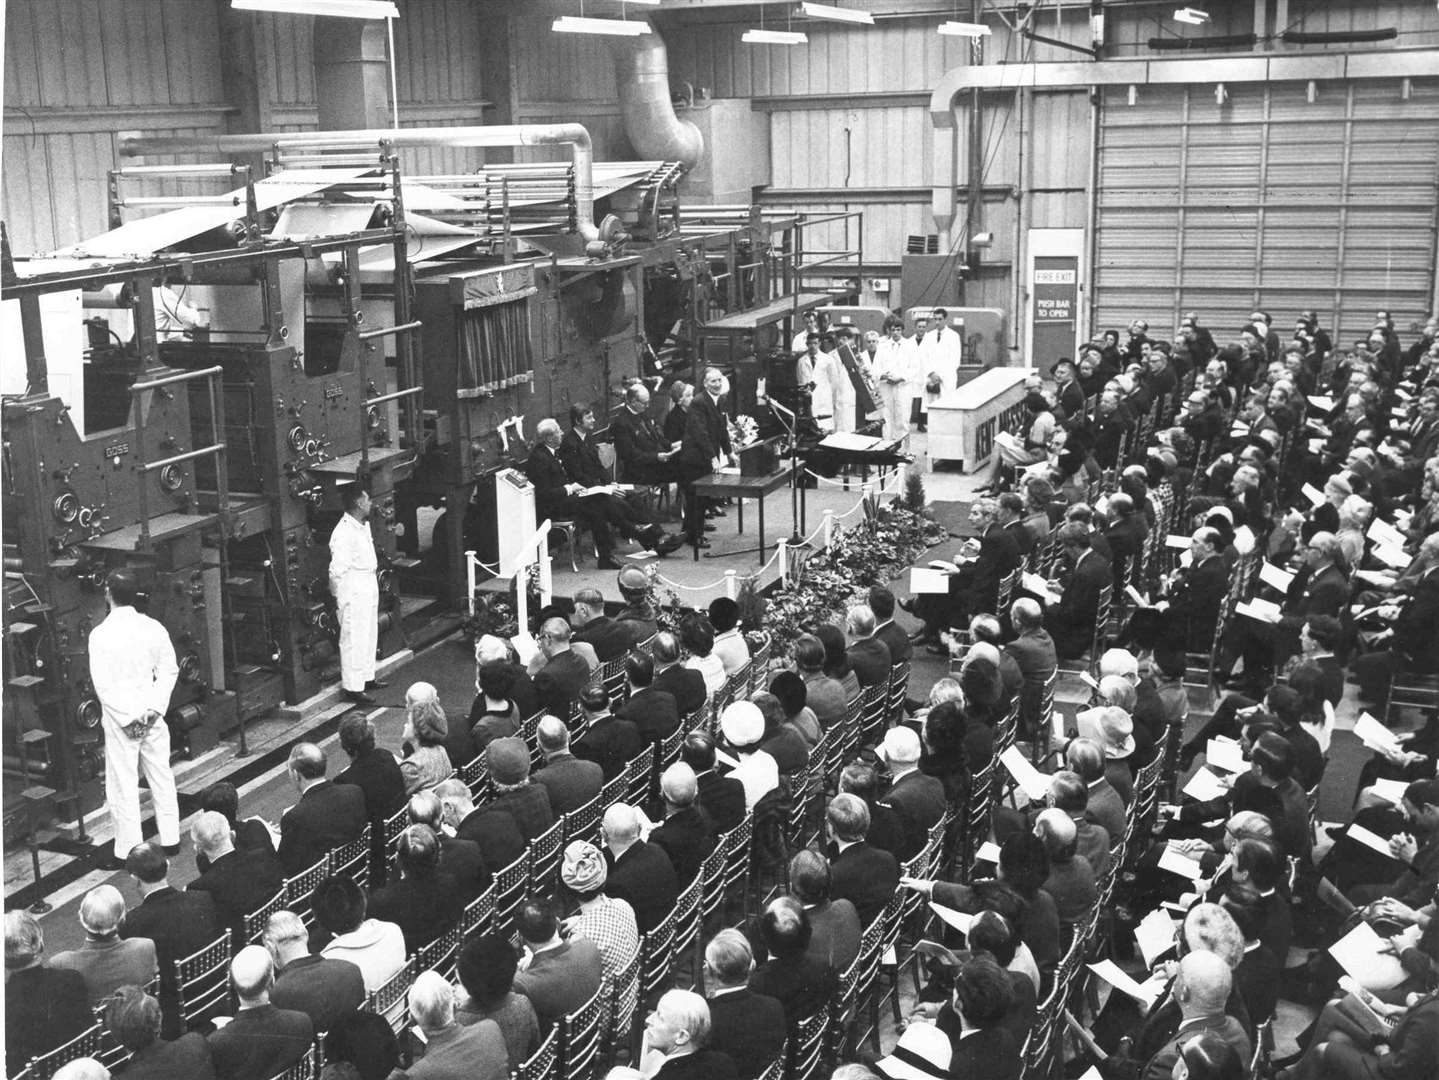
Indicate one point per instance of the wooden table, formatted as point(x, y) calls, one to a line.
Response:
point(740, 488)
point(963, 423)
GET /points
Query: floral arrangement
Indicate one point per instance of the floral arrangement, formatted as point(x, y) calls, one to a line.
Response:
point(743, 430)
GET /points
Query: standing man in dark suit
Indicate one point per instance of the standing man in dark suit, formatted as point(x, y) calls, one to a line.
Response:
point(748, 1027)
point(179, 923)
point(261, 1040)
point(722, 797)
point(640, 447)
point(377, 774)
point(868, 656)
point(570, 781)
point(326, 816)
point(1071, 622)
point(685, 685)
point(608, 740)
point(975, 1024)
point(607, 637)
point(687, 835)
point(640, 873)
point(564, 673)
point(859, 873)
point(238, 881)
point(881, 602)
point(705, 443)
point(322, 988)
point(653, 712)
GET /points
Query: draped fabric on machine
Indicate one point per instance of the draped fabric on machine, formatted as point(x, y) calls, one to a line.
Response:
point(496, 348)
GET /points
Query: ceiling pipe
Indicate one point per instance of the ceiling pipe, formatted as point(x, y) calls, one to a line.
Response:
point(576, 136)
point(642, 72)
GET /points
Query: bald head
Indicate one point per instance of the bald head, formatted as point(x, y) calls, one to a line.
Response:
point(1057, 829)
point(252, 973)
point(210, 833)
point(679, 786)
point(621, 826)
point(425, 809)
point(101, 911)
point(554, 737)
point(1202, 985)
point(307, 762)
point(421, 693)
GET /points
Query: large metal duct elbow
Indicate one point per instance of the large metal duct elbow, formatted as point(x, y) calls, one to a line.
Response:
point(642, 70)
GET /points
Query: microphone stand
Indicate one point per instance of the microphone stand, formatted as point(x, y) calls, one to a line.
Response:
point(790, 422)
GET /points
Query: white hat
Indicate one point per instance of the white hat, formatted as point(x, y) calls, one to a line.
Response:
point(742, 723)
point(900, 746)
point(922, 1053)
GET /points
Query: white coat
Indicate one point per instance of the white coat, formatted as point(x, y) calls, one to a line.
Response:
point(357, 599)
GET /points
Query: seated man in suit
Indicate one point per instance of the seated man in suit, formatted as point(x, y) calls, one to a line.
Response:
point(327, 815)
point(974, 1022)
point(261, 1040)
point(376, 773)
point(799, 981)
point(44, 1008)
point(974, 588)
point(322, 988)
point(461, 860)
point(570, 781)
point(641, 449)
point(132, 1017)
point(609, 740)
point(653, 711)
point(881, 602)
point(685, 684)
point(105, 960)
point(722, 797)
point(1071, 622)
point(563, 974)
point(865, 876)
point(251, 834)
point(608, 637)
point(919, 798)
point(640, 873)
point(238, 881)
point(868, 655)
point(749, 1027)
point(499, 838)
point(687, 835)
point(474, 1051)
point(581, 460)
point(1201, 989)
point(562, 671)
point(834, 924)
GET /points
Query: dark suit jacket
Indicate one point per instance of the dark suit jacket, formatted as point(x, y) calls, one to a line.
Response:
point(610, 743)
point(44, 1008)
point(546, 472)
point(570, 781)
point(749, 1027)
point(644, 878)
point(326, 816)
point(801, 984)
point(240, 882)
point(423, 908)
point(1257, 980)
point(638, 445)
point(1071, 621)
point(687, 837)
point(834, 933)
point(1161, 1065)
point(185, 1058)
point(722, 799)
point(990, 1053)
point(560, 681)
point(609, 637)
point(870, 659)
point(497, 834)
point(889, 829)
point(560, 980)
point(1194, 602)
point(1414, 634)
point(581, 459)
point(685, 685)
point(322, 989)
point(922, 801)
point(701, 1065)
point(473, 1051)
point(260, 1042)
point(529, 805)
point(706, 434)
point(1023, 538)
point(977, 586)
point(179, 923)
point(1126, 539)
point(465, 862)
point(896, 640)
point(866, 877)
point(377, 774)
point(653, 711)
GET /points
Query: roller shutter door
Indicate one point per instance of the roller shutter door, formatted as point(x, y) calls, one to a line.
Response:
point(1269, 201)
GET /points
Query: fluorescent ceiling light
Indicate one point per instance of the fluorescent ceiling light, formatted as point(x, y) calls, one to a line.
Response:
point(575, 24)
point(774, 37)
point(1190, 15)
point(347, 9)
point(964, 29)
point(837, 14)
point(651, 3)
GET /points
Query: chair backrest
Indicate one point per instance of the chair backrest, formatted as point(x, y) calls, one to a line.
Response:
point(687, 915)
point(544, 1063)
point(898, 689)
point(202, 982)
point(658, 949)
point(759, 664)
point(352, 859)
point(873, 701)
point(441, 954)
point(580, 1038)
point(304, 1069)
point(86, 1044)
point(775, 1069)
point(394, 825)
point(638, 771)
point(806, 1046)
point(737, 852)
point(301, 888)
point(545, 858)
point(388, 999)
point(612, 675)
point(712, 878)
point(256, 921)
point(476, 775)
point(625, 992)
point(583, 822)
point(479, 915)
point(511, 886)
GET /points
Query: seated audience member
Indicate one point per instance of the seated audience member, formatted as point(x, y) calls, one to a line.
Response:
point(376, 773)
point(486, 969)
point(729, 645)
point(515, 793)
point(888, 829)
point(836, 659)
point(1071, 879)
point(919, 798)
point(239, 882)
point(1105, 807)
point(686, 835)
point(793, 698)
point(132, 1017)
point(742, 724)
point(992, 935)
point(686, 685)
point(882, 603)
point(1201, 989)
point(834, 924)
point(106, 960)
point(800, 982)
point(251, 834)
point(640, 873)
point(608, 922)
point(867, 654)
point(425, 902)
point(493, 650)
point(562, 974)
point(824, 696)
point(653, 711)
point(426, 761)
point(781, 740)
point(327, 815)
point(493, 831)
point(1256, 977)
point(376, 948)
point(721, 797)
point(697, 637)
point(321, 988)
point(562, 672)
point(608, 637)
point(44, 1007)
point(922, 1051)
point(452, 1051)
point(1069, 793)
point(461, 860)
point(494, 714)
point(570, 781)
point(974, 1021)
point(608, 740)
point(676, 1034)
point(261, 1040)
point(859, 872)
point(747, 1026)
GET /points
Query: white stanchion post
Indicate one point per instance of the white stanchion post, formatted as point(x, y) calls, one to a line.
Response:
point(899, 479)
point(470, 580)
point(828, 528)
point(731, 582)
point(522, 598)
point(547, 577)
point(781, 547)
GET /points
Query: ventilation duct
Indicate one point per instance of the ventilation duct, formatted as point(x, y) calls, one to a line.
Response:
point(642, 71)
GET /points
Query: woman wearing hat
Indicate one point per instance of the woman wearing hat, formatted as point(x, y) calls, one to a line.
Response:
point(608, 922)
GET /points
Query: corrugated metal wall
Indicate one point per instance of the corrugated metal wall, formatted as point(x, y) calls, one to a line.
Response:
point(1269, 202)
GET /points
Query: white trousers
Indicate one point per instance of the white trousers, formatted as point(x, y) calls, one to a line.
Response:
point(894, 400)
point(124, 759)
point(358, 604)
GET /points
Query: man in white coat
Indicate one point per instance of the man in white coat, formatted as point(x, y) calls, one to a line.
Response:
point(133, 670)
point(357, 595)
point(894, 370)
point(943, 349)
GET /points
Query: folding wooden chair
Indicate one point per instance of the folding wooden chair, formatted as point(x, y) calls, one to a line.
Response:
point(583, 822)
point(806, 1046)
point(202, 983)
point(688, 909)
point(478, 916)
point(545, 859)
point(388, 1000)
point(352, 859)
point(898, 690)
point(873, 701)
point(86, 1044)
point(511, 886)
point(657, 952)
point(580, 1039)
point(441, 954)
point(300, 889)
point(737, 844)
point(256, 921)
point(394, 825)
point(304, 1069)
point(544, 1063)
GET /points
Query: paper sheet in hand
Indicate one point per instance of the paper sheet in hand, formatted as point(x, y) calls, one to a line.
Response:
point(1275, 577)
point(1035, 584)
point(1312, 493)
point(1225, 754)
point(1262, 610)
point(1154, 935)
point(1033, 782)
point(1136, 596)
point(1204, 785)
point(1177, 541)
point(950, 917)
point(1323, 404)
point(1381, 532)
point(1375, 577)
point(1357, 952)
point(526, 647)
point(1178, 863)
point(1390, 790)
point(1111, 973)
point(1092, 1073)
point(1393, 556)
point(923, 581)
point(1373, 734)
point(1370, 840)
point(988, 852)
